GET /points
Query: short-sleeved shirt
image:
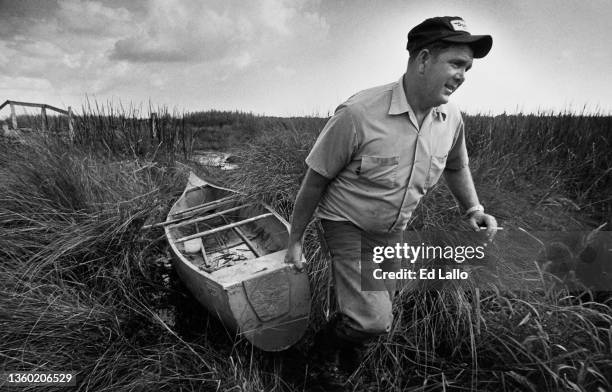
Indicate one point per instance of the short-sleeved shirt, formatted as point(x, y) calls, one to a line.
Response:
point(380, 163)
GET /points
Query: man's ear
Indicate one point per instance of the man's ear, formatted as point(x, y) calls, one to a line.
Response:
point(423, 58)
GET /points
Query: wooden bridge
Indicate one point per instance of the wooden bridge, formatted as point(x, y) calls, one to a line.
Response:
point(43, 114)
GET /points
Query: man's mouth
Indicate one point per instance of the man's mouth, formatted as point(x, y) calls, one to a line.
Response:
point(451, 88)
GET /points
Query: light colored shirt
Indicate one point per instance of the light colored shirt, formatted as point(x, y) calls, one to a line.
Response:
point(378, 159)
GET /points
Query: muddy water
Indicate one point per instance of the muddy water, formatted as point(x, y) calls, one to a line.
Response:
point(214, 159)
point(180, 311)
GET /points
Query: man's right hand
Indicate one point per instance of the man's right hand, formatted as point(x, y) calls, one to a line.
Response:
point(308, 197)
point(295, 256)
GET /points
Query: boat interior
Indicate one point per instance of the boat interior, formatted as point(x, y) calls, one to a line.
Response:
point(214, 228)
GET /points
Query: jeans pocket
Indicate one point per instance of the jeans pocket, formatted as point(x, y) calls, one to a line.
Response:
point(379, 170)
point(436, 167)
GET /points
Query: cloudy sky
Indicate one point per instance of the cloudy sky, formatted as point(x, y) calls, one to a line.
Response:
point(295, 57)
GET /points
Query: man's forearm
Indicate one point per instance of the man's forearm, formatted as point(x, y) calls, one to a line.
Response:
point(309, 195)
point(461, 185)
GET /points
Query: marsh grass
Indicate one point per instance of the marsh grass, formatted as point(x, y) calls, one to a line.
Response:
point(128, 130)
point(81, 284)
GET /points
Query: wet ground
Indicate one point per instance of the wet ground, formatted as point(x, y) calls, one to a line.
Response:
point(222, 160)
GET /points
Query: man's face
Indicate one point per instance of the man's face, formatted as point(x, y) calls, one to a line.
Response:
point(445, 72)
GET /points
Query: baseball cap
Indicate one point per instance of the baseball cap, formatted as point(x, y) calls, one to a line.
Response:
point(452, 29)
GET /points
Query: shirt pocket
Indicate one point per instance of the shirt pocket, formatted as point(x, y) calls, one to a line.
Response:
point(379, 170)
point(436, 167)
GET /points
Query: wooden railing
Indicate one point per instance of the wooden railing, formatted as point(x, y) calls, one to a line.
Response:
point(43, 113)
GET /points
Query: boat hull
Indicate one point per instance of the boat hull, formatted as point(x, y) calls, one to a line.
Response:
point(261, 298)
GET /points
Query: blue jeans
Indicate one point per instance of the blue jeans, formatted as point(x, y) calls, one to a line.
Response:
point(364, 303)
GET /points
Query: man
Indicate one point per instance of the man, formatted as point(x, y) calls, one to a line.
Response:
point(374, 160)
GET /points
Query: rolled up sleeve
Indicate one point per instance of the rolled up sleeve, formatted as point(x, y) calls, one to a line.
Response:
point(335, 145)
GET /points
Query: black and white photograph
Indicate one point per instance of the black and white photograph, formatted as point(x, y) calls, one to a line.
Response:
point(306, 195)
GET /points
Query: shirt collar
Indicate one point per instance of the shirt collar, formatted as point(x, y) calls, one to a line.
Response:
point(440, 112)
point(399, 103)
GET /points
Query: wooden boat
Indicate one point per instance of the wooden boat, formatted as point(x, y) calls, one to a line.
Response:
point(230, 255)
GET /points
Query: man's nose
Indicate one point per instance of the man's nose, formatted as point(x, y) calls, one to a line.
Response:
point(460, 76)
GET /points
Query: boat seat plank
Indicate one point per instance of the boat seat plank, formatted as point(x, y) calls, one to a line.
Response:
point(245, 239)
point(209, 205)
point(225, 227)
point(186, 220)
point(248, 242)
point(182, 222)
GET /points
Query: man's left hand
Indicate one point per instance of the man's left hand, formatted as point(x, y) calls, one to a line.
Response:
point(480, 220)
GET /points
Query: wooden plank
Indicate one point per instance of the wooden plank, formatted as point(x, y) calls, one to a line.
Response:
point(61, 111)
point(211, 216)
point(204, 257)
point(27, 104)
point(209, 205)
point(43, 119)
point(183, 222)
point(70, 124)
point(33, 105)
point(43, 108)
point(13, 116)
point(153, 126)
point(38, 105)
point(226, 227)
point(206, 261)
point(181, 219)
point(245, 239)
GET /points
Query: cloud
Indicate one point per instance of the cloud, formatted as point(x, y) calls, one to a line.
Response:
point(285, 71)
point(277, 15)
point(24, 83)
point(35, 48)
point(293, 18)
point(92, 18)
point(193, 31)
point(73, 36)
point(152, 48)
point(176, 32)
